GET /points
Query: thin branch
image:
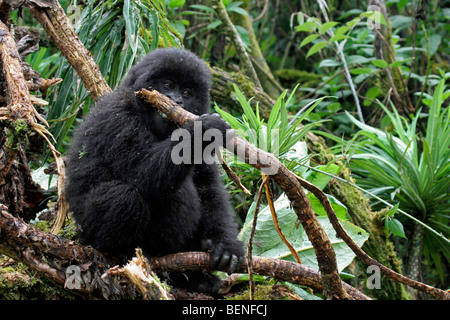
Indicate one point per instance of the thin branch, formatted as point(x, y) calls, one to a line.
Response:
point(263, 11)
point(277, 225)
point(237, 41)
point(250, 239)
point(233, 176)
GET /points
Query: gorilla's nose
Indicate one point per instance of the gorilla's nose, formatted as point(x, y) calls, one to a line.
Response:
point(176, 98)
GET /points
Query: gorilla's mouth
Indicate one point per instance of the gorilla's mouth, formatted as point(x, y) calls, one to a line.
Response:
point(162, 114)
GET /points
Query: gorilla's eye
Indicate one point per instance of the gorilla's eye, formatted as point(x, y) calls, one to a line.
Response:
point(168, 85)
point(186, 92)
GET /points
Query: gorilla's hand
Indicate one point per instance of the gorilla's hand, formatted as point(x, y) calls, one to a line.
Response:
point(214, 130)
point(224, 257)
point(213, 121)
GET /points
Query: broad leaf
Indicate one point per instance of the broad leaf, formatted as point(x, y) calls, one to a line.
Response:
point(267, 243)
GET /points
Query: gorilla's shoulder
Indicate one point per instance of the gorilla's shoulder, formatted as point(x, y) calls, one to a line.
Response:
point(108, 111)
point(120, 98)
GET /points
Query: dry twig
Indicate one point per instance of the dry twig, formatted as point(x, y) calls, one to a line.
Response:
point(277, 225)
point(250, 239)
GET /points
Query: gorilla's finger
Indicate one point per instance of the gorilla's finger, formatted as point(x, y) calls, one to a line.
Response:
point(207, 245)
point(214, 261)
point(223, 262)
point(234, 261)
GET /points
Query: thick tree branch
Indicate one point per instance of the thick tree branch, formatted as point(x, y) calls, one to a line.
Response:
point(52, 256)
point(55, 22)
point(278, 269)
point(239, 45)
point(80, 268)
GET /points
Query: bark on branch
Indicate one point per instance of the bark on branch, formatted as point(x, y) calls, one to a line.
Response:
point(20, 108)
point(239, 45)
point(55, 22)
point(278, 269)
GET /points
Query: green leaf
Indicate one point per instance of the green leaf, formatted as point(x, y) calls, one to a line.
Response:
point(235, 124)
point(321, 180)
point(308, 39)
point(393, 210)
point(176, 3)
point(356, 59)
point(213, 24)
point(395, 227)
point(338, 207)
point(334, 107)
point(372, 93)
point(327, 26)
point(202, 8)
point(253, 118)
point(360, 71)
point(351, 23)
point(329, 63)
point(270, 244)
point(380, 63)
point(398, 63)
point(341, 31)
point(308, 26)
point(402, 4)
point(238, 10)
point(316, 48)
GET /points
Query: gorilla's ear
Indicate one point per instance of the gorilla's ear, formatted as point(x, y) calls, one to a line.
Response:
point(130, 79)
point(135, 79)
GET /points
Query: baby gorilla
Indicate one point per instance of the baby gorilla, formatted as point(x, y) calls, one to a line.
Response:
point(124, 189)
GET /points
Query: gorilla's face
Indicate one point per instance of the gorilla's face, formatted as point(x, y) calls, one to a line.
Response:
point(178, 74)
point(180, 93)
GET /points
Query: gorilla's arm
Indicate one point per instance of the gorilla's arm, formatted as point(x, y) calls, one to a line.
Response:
point(154, 169)
point(220, 231)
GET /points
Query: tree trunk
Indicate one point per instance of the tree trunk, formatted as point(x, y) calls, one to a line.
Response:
point(384, 49)
point(270, 85)
point(222, 92)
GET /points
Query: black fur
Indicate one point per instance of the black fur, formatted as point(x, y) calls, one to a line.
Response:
point(125, 191)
